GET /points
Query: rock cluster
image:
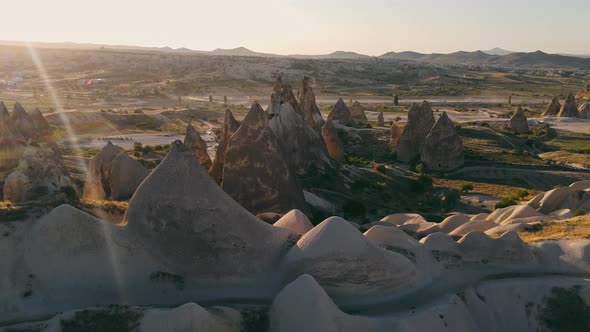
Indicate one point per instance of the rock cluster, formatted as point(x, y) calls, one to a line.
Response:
point(518, 122)
point(341, 113)
point(569, 108)
point(113, 175)
point(380, 120)
point(396, 133)
point(230, 125)
point(40, 172)
point(309, 108)
point(255, 172)
point(195, 143)
point(420, 121)
point(553, 108)
point(332, 141)
point(584, 111)
point(357, 114)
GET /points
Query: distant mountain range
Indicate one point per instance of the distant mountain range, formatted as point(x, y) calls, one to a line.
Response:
point(494, 57)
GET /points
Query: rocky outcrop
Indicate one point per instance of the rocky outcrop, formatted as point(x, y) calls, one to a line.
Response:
point(21, 121)
point(518, 122)
point(4, 116)
point(569, 109)
point(195, 143)
point(12, 146)
point(40, 124)
point(584, 111)
point(230, 125)
point(553, 108)
point(100, 183)
point(380, 120)
point(396, 133)
point(188, 317)
point(340, 113)
point(296, 221)
point(357, 114)
point(309, 108)
point(40, 173)
point(284, 93)
point(420, 121)
point(185, 220)
point(302, 146)
point(443, 147)
point(256, 173)
point(332, 141)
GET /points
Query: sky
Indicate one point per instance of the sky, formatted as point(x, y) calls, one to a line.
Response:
point(370, 27)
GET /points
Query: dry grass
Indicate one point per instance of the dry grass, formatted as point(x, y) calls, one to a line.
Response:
point(491, 189)
point(111, 211)
point(574, 228)
point(568, 158)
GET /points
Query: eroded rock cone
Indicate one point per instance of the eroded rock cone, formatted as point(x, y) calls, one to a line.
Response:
point(195, 143)
point(333, 142)
point(420, 121)
point(553, 108)
point(584, 111)
point(12, 146)
point(40, 124)
point(357, 114)
point(125, 176)
point(185, 220)
point(443, 148)
point(340, 113)
point(380, 120)
point(97, 185)
point(4, 115)
point(309, 108)
point(256, 173)
point(22, 122)
point(518, 122)
point(569, 109)
point(301, 145)
point(285, 93)
point(230, 125)
point(396, 132)
point(40, 173)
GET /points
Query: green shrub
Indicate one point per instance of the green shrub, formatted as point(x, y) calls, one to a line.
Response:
point(467, 187)
point(379, 167)
point(505, 202)
point(578, 213)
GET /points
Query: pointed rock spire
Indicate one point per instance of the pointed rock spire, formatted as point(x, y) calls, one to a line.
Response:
point(285, 93)
point(380, 120)
point(420, 121)
point(569, 109)
point(39, 123)
point(518, 122)
point(195, 143)
point(22, 122)
point(4, 115)
point(309, 108)
point(396, 132)
point(584, 111)
point(230, 125)
point(333, 142)
point(340, 113)
point(256, 173)
point(357, 114)
point(553, 108)
point(97, 185)
point(443, 147)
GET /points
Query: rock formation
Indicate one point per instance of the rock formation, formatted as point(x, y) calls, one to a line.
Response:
point(443, 147)
point(302, 146)
point(296, 221)
point(380, 120)
point(569, 108)
point(4, 115)
point(12, 146)
point(230, 125)
point(190, 316)
point(518, 122)
point(284, 93)
point(40, 172)
point(553, 108)
point(309, 108)
point(40, 124)
point(185, 220)
point(396, 133)
point(420, 121)
point(584, 111)
point(125, 176)
point(333, 143)
point(357, 114)
point(195, 143)
point(340, 113)
point(21, 121)
point(255, 172)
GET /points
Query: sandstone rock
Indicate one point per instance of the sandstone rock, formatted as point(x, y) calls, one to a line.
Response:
point(269, 217)
point(21, 121)
point(195, 143)
point(190, 317)
point(97, 185)
point(40, 172)
point(402, 218)
point(12, 146)
point(553, 108)
point(255, 172)
point(448, 224)
point(230, 125)
point(340, 113)
point(441, 242)
point(420, 122)
point(380, 120)
point(584, 111)
point(309, 108)
point(296, 221)
point(565, 198)
point(569, 108)
point(40, 124)
point(357, 115)
point(4, 116)
point(442, 149)
point(472, 226)
point(507, 248)
point(507, 214)
point(126, 175)
point(284, 93)
point(346, 263)
point(387, 236)
point(332, 141)
point(188, 223)
point(518, 122)
point(396, 132)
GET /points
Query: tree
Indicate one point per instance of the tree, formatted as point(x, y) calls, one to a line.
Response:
point(210, 98)
point(510, 100)
point(225, 100)
point(395, 100)
point(179, 101)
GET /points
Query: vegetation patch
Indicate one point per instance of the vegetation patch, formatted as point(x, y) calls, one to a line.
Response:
point(114, 318)
point(255, 320)
point(161, 276)
point(565, 311)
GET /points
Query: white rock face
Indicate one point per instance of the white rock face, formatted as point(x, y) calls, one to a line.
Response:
point(505, 215)
point(448, 225)
point(97, 185)
point(125, 176)
point(191, 317)
point(440, 242)
point(402, 218)
point(472, 226)
point(296, 221)
point(346, 263)
point(507, 248)
point(387, 236)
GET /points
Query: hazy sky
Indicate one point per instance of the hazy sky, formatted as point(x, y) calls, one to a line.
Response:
point(307, 26)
